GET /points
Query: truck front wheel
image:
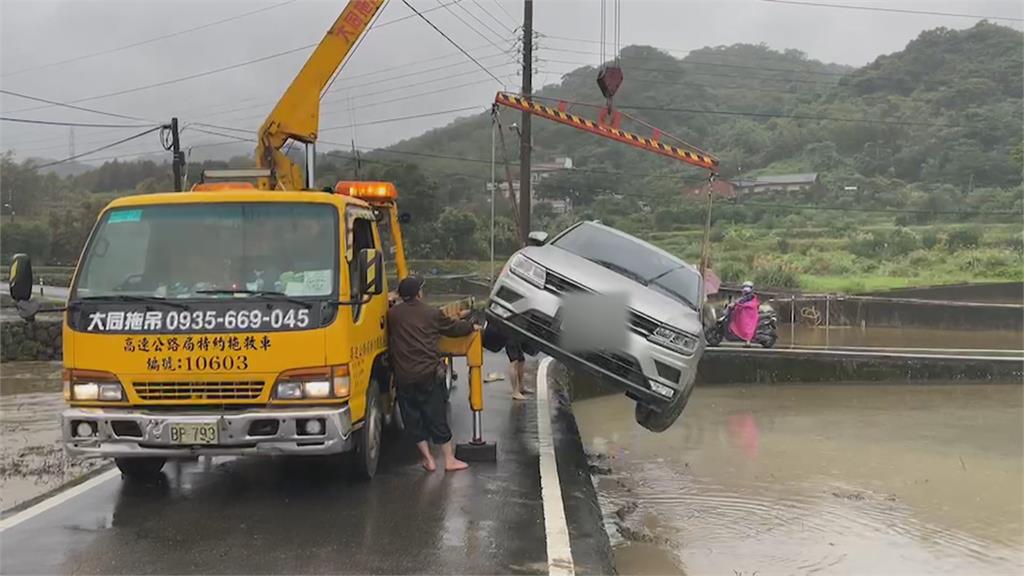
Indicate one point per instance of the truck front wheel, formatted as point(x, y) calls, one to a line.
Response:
point(140, 468)
point(368, 438)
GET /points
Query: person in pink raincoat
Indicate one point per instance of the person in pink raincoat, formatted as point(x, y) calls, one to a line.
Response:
point(744, 314)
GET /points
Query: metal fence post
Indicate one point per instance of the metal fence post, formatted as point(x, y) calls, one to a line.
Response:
point(828, 319)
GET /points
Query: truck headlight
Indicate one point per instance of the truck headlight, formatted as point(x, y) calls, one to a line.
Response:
point(528, 270)
point(313, 383)
point(678, 341)
point(88, 386)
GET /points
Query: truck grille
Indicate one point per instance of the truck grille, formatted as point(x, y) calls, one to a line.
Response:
point(250, 390)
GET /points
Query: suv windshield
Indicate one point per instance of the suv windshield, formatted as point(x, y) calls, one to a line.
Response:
point(635, 260)
point(195, 250)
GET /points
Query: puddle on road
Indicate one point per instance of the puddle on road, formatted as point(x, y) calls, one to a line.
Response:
point(815, 480)
point(893, 337)
point(32, 460)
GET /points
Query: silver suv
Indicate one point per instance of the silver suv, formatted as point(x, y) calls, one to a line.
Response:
point(655, 359)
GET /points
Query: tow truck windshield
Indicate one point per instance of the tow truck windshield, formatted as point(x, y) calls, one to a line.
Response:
point(212, 251)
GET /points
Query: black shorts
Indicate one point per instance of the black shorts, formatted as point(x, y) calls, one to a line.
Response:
point(424, 407)
point(514, 351)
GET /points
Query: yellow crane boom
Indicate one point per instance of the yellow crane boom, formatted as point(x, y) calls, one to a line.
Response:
point(297, 114)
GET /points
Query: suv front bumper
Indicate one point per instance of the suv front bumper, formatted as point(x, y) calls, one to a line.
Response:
point(150, 432)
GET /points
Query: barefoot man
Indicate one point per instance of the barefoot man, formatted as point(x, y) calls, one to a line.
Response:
point(413, 332)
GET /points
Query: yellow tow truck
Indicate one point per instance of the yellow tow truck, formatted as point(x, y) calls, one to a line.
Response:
point(241, 317)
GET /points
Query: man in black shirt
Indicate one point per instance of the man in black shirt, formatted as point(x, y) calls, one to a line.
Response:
point(414, 329)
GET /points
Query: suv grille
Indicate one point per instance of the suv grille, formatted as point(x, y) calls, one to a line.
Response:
point(560, 284)
point(622, 365)
point(249, 390)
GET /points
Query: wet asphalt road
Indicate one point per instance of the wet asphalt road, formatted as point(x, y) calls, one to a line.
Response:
point(244, 516)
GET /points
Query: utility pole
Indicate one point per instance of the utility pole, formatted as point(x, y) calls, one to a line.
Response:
point(177, 158)
point(526, 137)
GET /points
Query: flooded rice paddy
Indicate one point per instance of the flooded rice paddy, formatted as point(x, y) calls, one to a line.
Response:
point(824, 479)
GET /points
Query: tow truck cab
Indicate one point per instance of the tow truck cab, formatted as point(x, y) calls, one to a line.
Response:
point(229, 321)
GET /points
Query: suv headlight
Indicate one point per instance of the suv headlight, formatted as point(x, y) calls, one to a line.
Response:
point(674, 340)
point(528, 270)
point(90, 386)
point(312, 384)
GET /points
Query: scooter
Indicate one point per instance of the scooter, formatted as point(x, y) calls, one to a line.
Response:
point(766, 333)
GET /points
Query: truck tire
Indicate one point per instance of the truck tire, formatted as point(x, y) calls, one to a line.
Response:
point(142, 468)
point(368, 438)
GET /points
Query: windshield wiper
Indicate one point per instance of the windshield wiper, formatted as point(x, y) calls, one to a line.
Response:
point(675, 294)
point(134, 298)
point(624, 271)
point(258, 293)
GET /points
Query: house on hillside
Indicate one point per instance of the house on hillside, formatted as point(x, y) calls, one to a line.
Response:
point(538, 172)
point(809, 182)
point(721, 188)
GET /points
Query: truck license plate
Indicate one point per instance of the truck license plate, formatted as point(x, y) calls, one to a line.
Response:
point(205, 433)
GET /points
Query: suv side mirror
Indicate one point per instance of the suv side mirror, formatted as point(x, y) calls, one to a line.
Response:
point(537, 238)
point(21, 277)
point(371, 272)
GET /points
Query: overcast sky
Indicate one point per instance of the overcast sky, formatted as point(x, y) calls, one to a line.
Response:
point(37, 33)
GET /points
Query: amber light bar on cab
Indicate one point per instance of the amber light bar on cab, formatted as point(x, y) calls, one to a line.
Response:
point(369, 191)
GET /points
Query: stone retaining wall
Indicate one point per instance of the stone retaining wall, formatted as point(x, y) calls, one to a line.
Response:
point(39, 340)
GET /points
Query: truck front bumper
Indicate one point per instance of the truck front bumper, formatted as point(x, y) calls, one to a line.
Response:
point(117, 433)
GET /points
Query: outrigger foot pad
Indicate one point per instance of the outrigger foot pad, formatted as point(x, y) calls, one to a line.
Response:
point(477, 452)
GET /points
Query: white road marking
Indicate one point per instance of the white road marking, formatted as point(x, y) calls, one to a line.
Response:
point(57, 499)
point(556, 530)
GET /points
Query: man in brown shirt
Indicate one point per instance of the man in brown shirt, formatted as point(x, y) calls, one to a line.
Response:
point(414, 329)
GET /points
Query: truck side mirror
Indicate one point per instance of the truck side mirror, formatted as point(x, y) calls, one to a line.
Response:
point(21, 277)
point(371, 272)
point(537, 238)
point(404, 218)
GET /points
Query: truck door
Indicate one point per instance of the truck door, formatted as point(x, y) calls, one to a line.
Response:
point(368, 336)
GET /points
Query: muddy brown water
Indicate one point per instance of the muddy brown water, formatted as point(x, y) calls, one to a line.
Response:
point(892, 337)
point(32, 460)
point(837, 479)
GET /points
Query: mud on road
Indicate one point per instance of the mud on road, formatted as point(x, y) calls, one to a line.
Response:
point(32, 460)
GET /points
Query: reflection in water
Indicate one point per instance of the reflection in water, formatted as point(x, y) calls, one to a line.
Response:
point(818, 480)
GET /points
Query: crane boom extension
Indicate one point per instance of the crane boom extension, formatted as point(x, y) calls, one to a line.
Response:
point(694, 157)
point(297, 114)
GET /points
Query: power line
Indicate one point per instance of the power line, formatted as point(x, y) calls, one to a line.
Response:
point(453, 43)
point(148, 41)
point(791, 116)
point(468, 25)
point(179, 79)
point(899, 10)
point(400, 118)
point(67, 105)
point(479, 21)
point(507, 28)
point(100, 149)
point(502, 8)
point(211, 72)
point(691, 62)
point(75, 124)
